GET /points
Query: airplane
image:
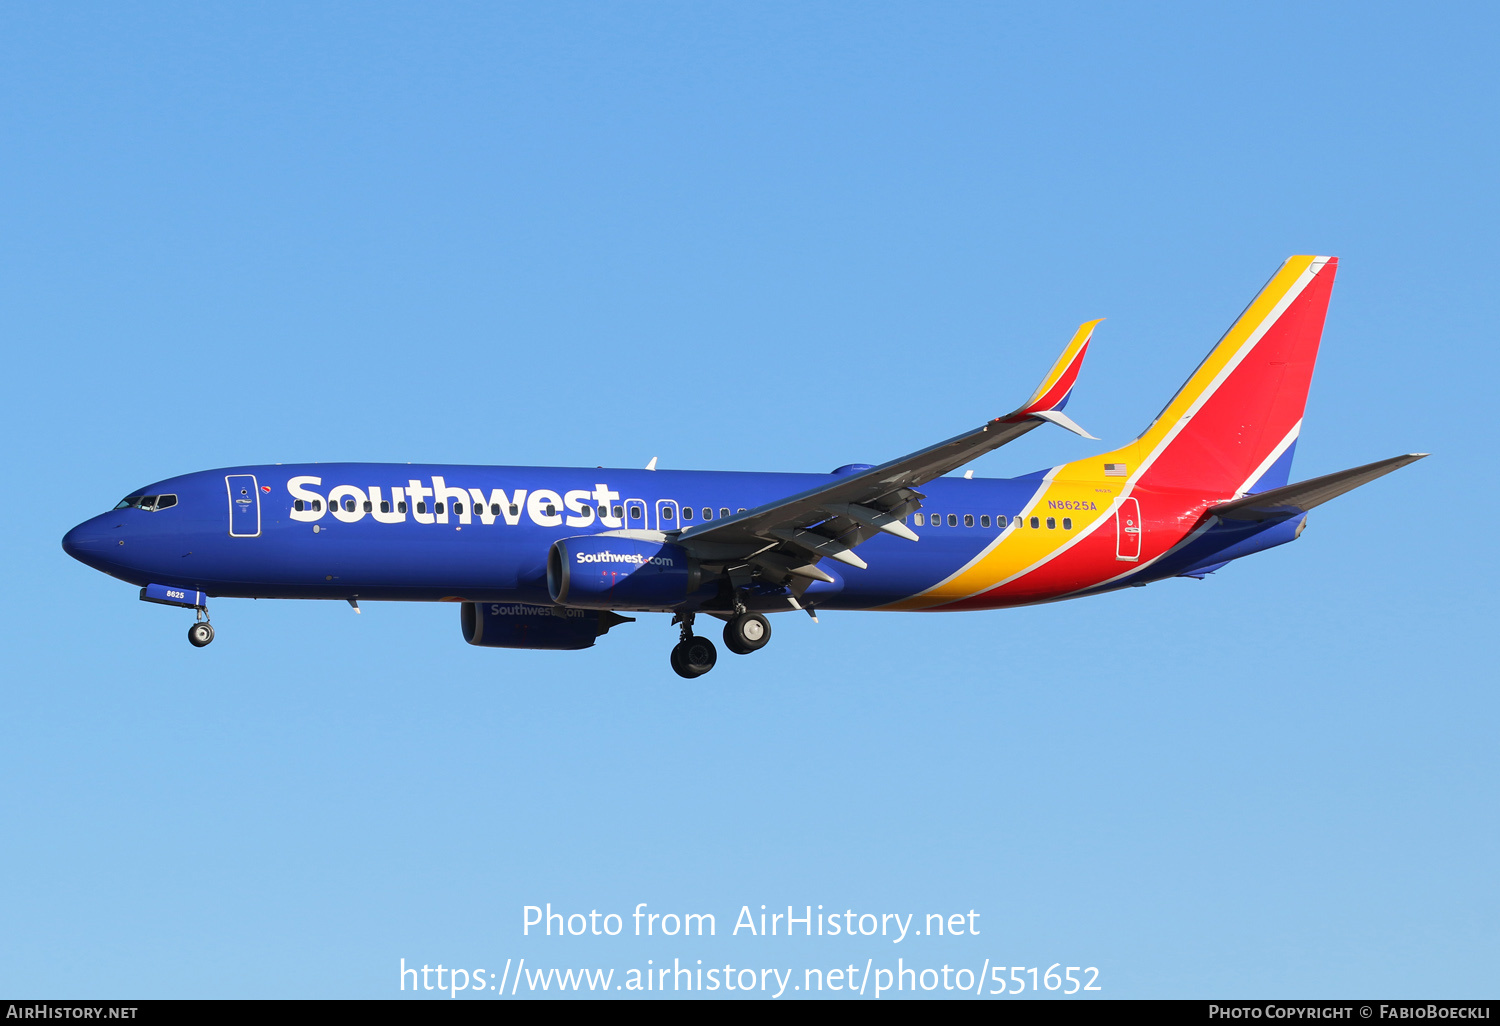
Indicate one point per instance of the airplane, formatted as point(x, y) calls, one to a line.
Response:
point(552, 558)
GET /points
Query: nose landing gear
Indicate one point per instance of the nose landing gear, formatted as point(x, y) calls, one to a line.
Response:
point(692, 656)
point(201, 632)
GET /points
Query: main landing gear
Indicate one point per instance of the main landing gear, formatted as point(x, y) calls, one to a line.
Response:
point(694, 656)
point(746, 633)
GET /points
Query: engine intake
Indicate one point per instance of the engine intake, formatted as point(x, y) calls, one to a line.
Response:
point(611, 572)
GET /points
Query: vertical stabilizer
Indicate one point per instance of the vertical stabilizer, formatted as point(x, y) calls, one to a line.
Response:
point(1231, 428)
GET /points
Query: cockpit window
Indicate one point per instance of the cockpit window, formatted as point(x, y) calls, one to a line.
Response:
point(149, 503)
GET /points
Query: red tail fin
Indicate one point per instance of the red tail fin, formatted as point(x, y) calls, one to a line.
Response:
point(1231, 428)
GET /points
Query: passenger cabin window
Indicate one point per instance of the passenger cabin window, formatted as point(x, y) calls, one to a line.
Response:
point(723, 512)
point(918, 519)
point(401, 506)
point(687, 513)
point(422, 506)
point(440, 509)
point(952, 519)
point(515, 509)
point(1035, 523)
point(1067, 523)
point(619, 511)
point(551, 510)
point(636, 513)
point(385, 505)
point(968, 520)
point(296, 506)
point(348, 505)
point(708, 514)
point(317, 505)
point(666, 513)
point(370, 506)
point(494, 509)
point(1051, 523)
point(984, 520)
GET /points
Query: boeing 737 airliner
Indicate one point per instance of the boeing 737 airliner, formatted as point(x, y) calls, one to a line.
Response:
point(541, 557)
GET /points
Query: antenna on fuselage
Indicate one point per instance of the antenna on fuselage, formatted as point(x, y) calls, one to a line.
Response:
point(652, 464)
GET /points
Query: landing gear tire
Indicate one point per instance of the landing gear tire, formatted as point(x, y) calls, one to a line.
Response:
point(693, 657)
point(200, 634)
point(747, 633)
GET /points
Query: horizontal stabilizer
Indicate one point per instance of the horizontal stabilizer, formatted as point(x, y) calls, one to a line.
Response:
point(1304, 495)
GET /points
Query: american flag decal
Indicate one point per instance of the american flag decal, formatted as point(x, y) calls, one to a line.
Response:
point(1114, 470)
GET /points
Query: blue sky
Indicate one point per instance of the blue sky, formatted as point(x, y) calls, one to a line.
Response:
point(751, 237)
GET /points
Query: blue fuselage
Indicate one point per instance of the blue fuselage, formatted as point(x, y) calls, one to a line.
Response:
point(428, 533)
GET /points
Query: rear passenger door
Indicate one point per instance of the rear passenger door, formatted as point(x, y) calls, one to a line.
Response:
point(1128, 530)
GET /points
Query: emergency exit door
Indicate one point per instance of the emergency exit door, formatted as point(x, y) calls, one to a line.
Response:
point(635, 514)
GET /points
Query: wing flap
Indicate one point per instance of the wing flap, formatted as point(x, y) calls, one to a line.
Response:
point(856, 507)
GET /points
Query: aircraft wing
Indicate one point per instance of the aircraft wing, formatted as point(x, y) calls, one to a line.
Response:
point(1304, 495)
point(790, 535)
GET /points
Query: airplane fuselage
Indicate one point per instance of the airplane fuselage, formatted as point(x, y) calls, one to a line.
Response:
point(371, 531)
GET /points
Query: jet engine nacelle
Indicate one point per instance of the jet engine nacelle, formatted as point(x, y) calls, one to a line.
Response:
point(517, 625)
point(613, 572)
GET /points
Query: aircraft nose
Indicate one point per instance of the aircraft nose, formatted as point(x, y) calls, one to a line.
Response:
point(86, 542)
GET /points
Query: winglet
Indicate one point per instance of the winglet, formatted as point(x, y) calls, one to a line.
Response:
point(1062, 420)
point(1052, 394)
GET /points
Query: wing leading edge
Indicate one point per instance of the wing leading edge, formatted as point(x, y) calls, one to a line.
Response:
point(786, 538)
